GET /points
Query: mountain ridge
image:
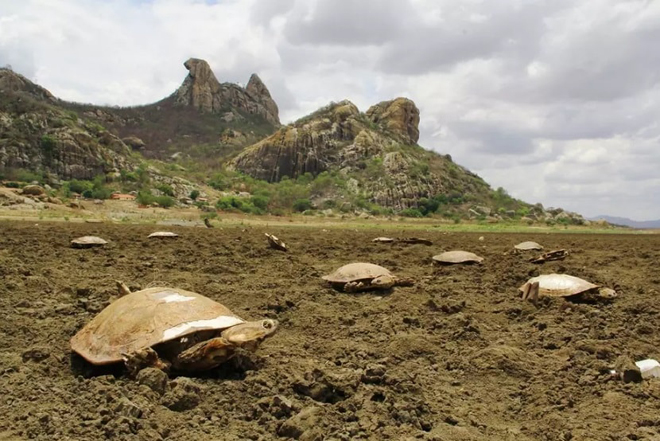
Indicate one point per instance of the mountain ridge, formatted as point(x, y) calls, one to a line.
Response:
point(234, 133)
point(627, 222)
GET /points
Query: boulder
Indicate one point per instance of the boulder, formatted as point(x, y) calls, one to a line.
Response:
point(134, 142)
point(34, 190)
point(400, 117)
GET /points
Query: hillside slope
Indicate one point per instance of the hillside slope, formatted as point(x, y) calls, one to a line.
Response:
point(376, 151)
point(202, 119)
point(38, 134)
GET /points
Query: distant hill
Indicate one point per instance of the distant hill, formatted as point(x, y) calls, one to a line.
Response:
point(222, 136)
point(628, 222)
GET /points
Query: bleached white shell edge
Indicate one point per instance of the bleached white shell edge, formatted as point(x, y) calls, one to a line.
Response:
point(219, 322)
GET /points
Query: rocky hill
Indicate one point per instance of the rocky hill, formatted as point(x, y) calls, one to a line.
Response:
point(202, 119)
point(230, 138)
point(38, 134)
point(376, 151)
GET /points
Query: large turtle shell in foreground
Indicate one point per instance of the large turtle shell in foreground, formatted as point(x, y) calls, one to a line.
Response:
point(559, 285)
point(145, 318)
point(457, 256)
point(356, 271)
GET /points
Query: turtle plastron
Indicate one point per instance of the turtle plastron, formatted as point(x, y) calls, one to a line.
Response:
point(206, 352)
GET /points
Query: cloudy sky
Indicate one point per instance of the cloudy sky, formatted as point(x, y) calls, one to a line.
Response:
point(557, 101)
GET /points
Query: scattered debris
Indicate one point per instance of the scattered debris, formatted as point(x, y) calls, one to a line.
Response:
point(275, 243)
point(549, 256)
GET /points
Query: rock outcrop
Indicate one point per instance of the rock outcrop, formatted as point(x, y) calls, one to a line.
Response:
point(203, 91)
point(259, 92)
point(308, 147)
point(48, 142)
point(376, 151)
point(12, 82)
point(399, 117)
point(38, 135)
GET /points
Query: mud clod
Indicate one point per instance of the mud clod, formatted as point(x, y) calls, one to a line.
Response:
point(184, 394)
point(153, 378)
point(302, 425)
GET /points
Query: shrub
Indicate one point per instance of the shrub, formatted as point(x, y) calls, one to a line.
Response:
point(219, 182)
point(126, 176)
point(229, 203)
point(261, 202)
point(411, 212)
point(77, 186)
point(145, 197)
point(166, 189)
point(48, 144)
point(302, 205)
point(101, 193)
point(232, 203)
point(12, 184)
point(164, 201)
point(194, 195)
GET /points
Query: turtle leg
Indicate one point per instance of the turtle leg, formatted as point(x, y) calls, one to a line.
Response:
point(531, 292)
point(355, 286)
point(534, 294)
point(405, 282)
point(204, 355)
point(143, 358)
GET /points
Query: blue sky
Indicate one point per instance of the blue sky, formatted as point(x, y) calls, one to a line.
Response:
point(557, 101)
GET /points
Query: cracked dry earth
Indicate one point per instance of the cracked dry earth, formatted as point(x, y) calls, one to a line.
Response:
point(456, 357)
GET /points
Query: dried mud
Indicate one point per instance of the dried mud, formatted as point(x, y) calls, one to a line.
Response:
point(456, 357)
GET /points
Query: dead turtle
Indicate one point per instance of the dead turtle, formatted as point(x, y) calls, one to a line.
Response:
point(362, 276)
point(163, 234)
point(457, 256)
point(560, 285)
point(168, 327)
point(275, 243)
point(527, 246)
point(414, 240)
point(549, 256)
point(88, 242)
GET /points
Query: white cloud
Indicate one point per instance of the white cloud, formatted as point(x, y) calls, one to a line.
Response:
point(558, 101)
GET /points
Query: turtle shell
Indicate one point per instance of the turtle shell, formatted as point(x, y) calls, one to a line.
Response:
point(356, 271)
point(528, 245)
point(163, 234)
point(145, 318)
point(457, 256)
point(87, 242)
point(560, 285)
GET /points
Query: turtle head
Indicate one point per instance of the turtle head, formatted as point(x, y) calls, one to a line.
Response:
point(383, 282)
point(249, 335)
point(210, 353)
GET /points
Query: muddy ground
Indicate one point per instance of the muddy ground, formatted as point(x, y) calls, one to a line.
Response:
point(457, 357)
